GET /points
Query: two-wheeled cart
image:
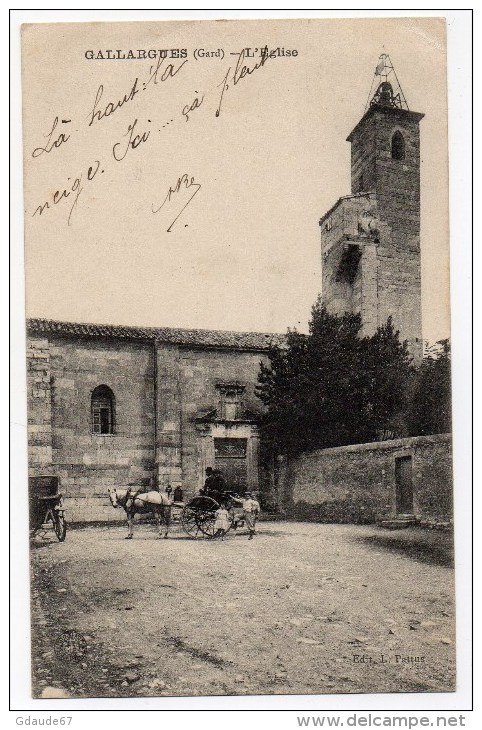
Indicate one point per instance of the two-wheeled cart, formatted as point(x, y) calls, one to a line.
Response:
point(46, 508)
point(199, 515)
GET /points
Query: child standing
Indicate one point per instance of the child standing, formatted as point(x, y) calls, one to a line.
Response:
point(251, 511)
point(221, 522)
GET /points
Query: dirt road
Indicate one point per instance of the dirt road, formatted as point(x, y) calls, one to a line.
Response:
point(300, 609)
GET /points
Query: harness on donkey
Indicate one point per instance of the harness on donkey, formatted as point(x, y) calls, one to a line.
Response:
point(132, 496)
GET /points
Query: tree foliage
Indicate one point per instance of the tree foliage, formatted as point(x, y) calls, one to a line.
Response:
point(333, 387)
point(430, 408)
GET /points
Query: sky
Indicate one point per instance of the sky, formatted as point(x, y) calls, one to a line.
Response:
point(244, 253)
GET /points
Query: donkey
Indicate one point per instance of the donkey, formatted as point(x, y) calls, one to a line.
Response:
point(159, 504)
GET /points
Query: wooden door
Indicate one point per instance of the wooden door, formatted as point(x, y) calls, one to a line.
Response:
point(230, 459)
point(404, 485)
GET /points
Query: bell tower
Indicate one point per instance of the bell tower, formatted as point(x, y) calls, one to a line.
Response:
point(371, 238)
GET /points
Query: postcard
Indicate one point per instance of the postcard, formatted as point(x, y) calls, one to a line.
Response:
point(238, 357)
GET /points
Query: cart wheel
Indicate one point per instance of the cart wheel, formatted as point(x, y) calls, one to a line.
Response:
point(198, 516)
point(189, 522)
point(205, 509)
point(60, 527)
point(206, 521)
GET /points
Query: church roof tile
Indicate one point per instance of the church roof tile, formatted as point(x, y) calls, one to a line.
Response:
point(184, 337)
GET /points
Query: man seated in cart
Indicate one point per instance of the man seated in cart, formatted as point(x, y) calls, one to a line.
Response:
point(214, 485)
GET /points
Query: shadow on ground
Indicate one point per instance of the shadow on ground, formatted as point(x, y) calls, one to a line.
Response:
point(427, 546)
point(176, 531)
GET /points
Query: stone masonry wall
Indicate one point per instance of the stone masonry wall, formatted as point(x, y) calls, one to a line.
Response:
point(339, 227)
point(398, 198)
point(165, 446)
point(391, 269)
point(39, 407)
point(357, 483)
point(88, 464)
point(200, 370)
point(363, 159)
point(169, 423)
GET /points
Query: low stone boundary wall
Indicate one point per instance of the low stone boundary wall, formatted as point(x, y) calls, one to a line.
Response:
point(359, 483)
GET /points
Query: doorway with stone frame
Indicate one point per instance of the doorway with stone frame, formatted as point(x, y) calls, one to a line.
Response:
point(233, 449)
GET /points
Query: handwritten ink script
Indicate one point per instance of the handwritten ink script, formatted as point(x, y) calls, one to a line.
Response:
point(184, 183)
point(240, 72)
point(137, 133)
point(53, 141)
point(68, 190)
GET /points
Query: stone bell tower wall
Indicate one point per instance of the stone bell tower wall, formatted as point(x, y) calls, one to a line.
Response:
point(398, 207)
point(371, 239)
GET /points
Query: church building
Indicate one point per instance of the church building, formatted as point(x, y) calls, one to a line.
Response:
point(115, 406)
point(111, 406)
point(370, 239)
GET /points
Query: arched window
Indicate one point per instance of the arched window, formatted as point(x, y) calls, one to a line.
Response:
point(398, 146)
point(102, 410)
